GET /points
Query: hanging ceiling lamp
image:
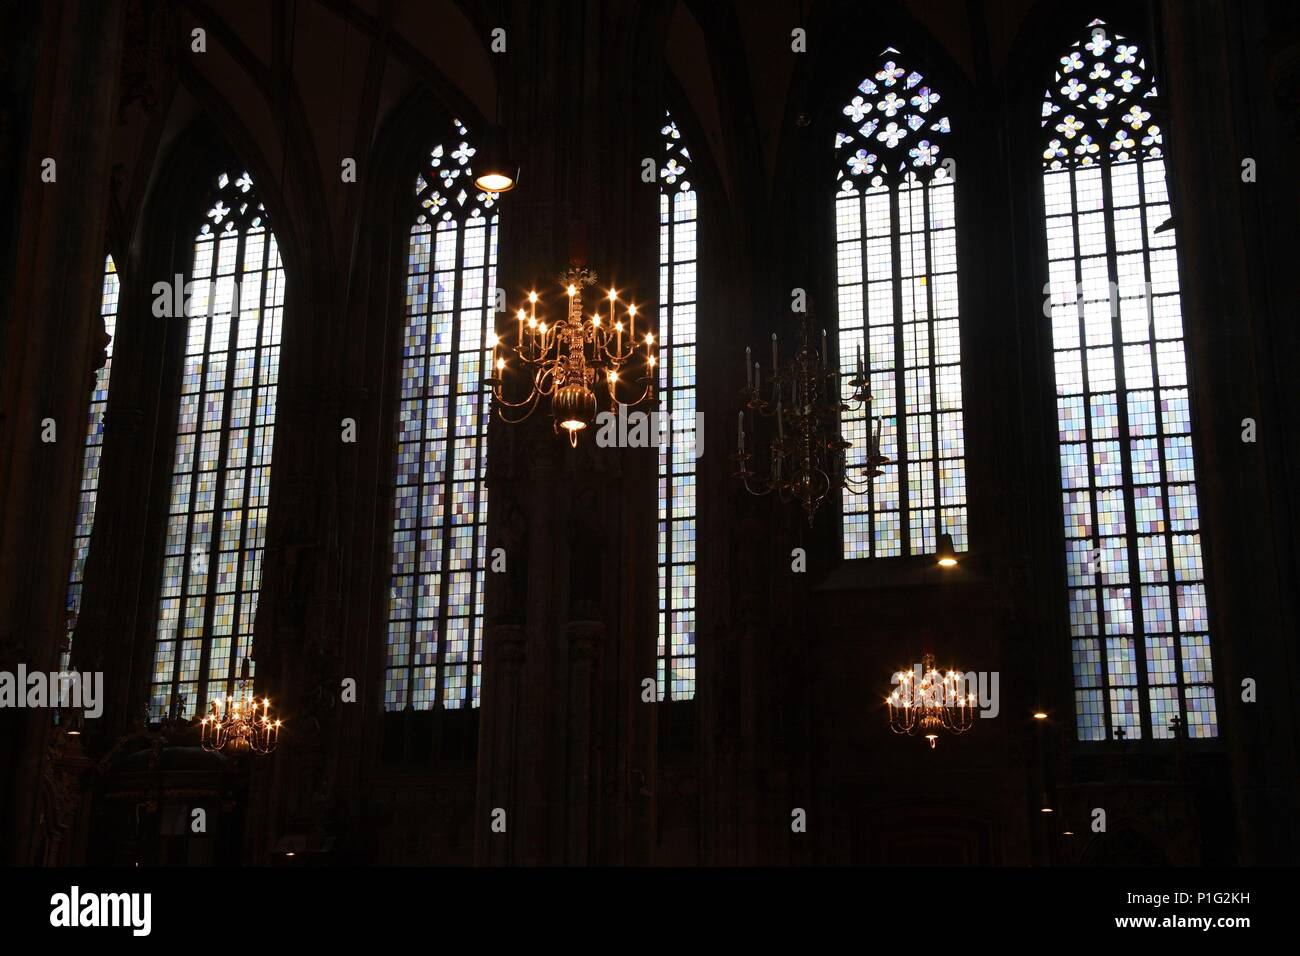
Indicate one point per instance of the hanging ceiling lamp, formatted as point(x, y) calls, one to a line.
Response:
point(947, 555)
point(497, 171)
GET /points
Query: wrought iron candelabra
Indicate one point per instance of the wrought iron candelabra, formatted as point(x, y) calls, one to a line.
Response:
point(564, 360)
point(808, 450)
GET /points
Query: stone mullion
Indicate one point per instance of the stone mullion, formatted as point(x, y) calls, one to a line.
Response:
point(223, 445)
point(1125, 454)
point(1094, 539)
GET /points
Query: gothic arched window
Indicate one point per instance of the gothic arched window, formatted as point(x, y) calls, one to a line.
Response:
point(896, 272)
point(678, 221)
point(221, 469)
point(1136, 588)
point(435, 610)
point(89, 489)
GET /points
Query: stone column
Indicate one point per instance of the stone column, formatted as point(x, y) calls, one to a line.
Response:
point(49, 348)
point(585, 638)
point(498, 729)
point(1239, 317)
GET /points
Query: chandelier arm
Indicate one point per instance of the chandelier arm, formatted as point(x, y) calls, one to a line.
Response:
point(614, 396)
point(757, 494)
point(616, 356)
point(503, 403)
point(548, 380)
point(543, 343)
point(646, 393)
point(531, 351)
point(532, 402)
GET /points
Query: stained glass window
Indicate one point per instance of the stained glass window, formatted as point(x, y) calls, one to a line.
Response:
point(435, 605)
point(221, 470)
point(90, 457)
point(678, 219)
point(896, 276)
point(1136, 585)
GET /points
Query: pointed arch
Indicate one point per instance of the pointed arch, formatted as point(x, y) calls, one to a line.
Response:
point(1138, 616)
point(221, 467)
point(896, 283)
point(678, 284)
point(439, 516)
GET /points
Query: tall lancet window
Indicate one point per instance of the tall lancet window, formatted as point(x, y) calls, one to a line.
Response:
point(1137, 605)
point(896, 272)
point(435, 607)
point(678, 220)
point(221, 469)
point(90, 456)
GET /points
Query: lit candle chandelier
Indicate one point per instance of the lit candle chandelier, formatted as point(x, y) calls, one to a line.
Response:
point(564, 360)
point(244, 724)
point(808, 450)
point(929, 700)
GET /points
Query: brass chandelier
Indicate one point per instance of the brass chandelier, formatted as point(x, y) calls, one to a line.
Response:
point(244, 723)
point(929, 701)
point(565, 360)
point(807, 453)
